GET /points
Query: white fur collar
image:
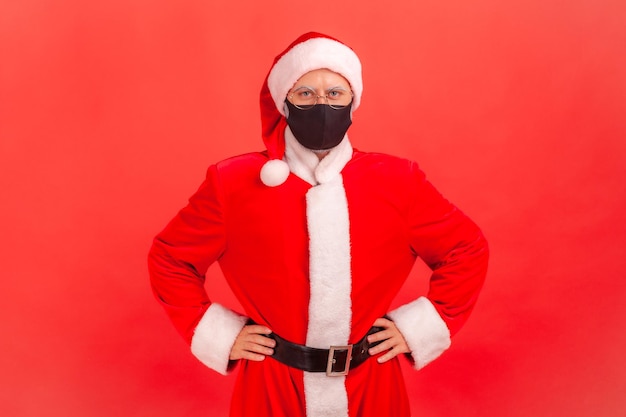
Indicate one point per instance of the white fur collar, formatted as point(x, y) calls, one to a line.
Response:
point(305, 164)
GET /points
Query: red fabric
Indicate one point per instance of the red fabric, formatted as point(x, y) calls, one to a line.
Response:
point(259, 236)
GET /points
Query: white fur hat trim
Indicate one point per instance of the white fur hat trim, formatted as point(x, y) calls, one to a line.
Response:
point(310, 55)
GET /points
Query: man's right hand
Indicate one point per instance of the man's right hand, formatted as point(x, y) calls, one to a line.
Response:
point(251, 344)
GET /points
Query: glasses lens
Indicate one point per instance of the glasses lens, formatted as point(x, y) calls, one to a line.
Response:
point(338, 98)
point(303, 97)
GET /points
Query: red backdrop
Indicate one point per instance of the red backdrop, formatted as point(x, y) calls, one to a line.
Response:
point(110, 113)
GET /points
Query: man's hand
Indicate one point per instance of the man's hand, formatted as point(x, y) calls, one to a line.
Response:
point(393, 341)
point(250, 344)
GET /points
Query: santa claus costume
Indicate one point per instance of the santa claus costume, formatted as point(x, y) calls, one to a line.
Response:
point(316, 250)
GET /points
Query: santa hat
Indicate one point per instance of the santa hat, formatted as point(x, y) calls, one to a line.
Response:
point(309, 52)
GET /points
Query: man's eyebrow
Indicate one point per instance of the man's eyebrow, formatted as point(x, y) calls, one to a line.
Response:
point(303, 86)
point(338, 87)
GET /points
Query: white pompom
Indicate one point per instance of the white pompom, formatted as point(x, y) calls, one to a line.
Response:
point(274, 172)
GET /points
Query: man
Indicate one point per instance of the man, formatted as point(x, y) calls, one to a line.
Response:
point(315, 239)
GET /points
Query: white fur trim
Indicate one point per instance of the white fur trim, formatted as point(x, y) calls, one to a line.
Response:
point(326, 396)
point(329, 265)
point(302, 161)
point(310, 55)
point(423, 329)
point(274, 172)
point(330, 305)
point(305, 163)
point(215, 335)
point(333, 163)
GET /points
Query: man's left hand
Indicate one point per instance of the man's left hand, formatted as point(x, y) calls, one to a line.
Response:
point(393, 342)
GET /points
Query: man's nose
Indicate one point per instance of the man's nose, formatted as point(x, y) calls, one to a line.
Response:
point(323, 98)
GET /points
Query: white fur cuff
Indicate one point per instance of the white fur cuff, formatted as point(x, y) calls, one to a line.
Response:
point(215, 335)
point(423, 329)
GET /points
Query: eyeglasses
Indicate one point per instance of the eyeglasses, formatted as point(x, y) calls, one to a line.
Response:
point(306, 98)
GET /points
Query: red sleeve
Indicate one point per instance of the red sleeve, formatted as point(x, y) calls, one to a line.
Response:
point(182, 253)
point(453, 247)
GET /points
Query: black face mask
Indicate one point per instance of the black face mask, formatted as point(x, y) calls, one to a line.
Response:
point(321, 127)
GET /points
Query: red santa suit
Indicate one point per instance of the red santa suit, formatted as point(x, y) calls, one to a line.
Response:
point(316, 251)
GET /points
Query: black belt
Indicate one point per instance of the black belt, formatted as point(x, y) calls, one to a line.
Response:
point(336, 361)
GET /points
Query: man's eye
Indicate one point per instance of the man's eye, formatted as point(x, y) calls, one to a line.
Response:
point(335, 94)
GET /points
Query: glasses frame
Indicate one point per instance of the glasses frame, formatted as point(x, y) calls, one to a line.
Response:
point(317, 98)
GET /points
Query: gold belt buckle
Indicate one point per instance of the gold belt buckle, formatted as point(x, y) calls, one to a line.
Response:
point(331, 360)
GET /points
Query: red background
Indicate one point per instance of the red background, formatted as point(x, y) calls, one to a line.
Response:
point(110, 113)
